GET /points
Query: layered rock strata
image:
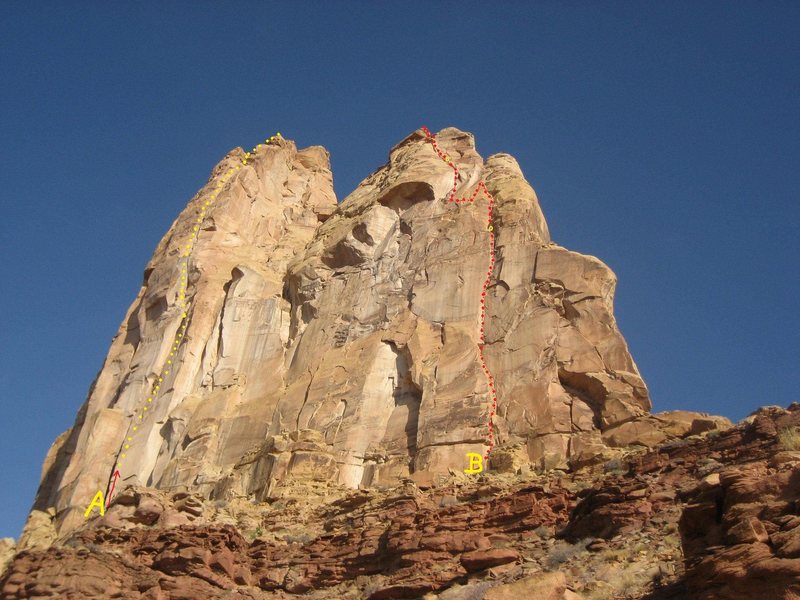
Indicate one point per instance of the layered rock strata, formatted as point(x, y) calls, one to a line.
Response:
point(340, 342)
point(683, 520)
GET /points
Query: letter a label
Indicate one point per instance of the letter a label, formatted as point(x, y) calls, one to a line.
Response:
point(99, 502)
point(475, 463)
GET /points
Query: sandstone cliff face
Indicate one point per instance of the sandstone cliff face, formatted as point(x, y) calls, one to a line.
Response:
point(341, 343)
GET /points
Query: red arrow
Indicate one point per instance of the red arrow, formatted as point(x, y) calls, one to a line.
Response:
point(113, 485)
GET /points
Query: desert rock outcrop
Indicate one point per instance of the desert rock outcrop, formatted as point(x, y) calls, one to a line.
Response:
point(633, 527)
point(339, 343)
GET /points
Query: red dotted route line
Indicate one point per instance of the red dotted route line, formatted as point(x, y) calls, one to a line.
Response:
point(452, 198)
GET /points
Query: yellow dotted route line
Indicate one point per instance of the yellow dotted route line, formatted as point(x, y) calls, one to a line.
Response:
point(184, 262)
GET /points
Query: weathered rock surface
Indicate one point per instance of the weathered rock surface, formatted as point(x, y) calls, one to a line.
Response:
point(310, 436)
point(340, 343)
point(7, 549)
point(413, 543)
point(741, 530)
point(703, 517)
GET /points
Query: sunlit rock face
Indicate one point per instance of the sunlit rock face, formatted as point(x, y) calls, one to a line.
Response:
point(340, 342)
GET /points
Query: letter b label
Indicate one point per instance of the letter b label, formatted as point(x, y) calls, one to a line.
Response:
point(475, 463)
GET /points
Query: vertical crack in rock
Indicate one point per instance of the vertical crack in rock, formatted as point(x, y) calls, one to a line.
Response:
point(235, 274)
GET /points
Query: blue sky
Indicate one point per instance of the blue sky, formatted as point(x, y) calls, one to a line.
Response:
point(663, 138)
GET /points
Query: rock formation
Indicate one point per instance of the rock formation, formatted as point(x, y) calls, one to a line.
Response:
point(7, 550)
point(341, 342)
point(710, 516)
point(301, 427)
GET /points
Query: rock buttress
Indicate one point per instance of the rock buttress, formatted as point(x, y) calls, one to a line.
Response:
point(341, 343)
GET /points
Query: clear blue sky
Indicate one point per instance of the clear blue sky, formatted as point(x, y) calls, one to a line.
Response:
point(663, 138)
